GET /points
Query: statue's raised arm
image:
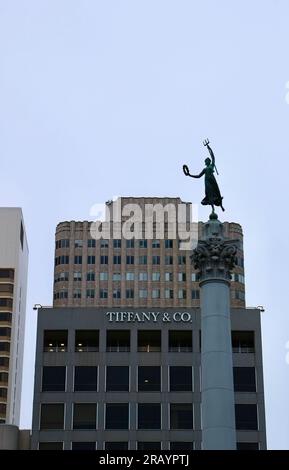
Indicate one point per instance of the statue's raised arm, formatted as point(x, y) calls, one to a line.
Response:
point(206, 144)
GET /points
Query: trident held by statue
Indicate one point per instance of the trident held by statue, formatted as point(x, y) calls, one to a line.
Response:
point(206, 144)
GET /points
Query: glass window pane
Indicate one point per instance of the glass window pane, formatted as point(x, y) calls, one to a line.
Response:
point(180, 379)
point(117, 379)
point(85, 379)
point(84, 415)
point(149, 378)
point(52, 416)
point(149, 416)
point(181, 416)
point(116, 416)
point(53, 379)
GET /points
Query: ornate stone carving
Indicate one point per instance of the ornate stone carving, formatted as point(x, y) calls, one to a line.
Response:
point(215, 258)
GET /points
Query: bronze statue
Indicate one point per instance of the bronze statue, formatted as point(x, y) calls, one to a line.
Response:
point(213, 196)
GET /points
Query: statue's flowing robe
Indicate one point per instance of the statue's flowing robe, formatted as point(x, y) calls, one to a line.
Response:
point(213, 195)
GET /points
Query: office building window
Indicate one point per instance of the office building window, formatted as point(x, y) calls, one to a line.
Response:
point(77, 276)
point(61, 277)
point(143, 260)
point(52, 416)
point(169, 243)
point(156, 259)
point(149, 416)
point(180, 341)
point(55, 340)
point(103, 243)
point(91, 243)
point(149, 340)
point(182, 294)
point(194, 277)
point(77, 294)
point(243, 342)
point(64, 259)
point(85, 378)
point(143, 243)
point(118, 340)
point(148, 446)
point(143, 276)
point(114, 445)
point(116, 277)
point(246, 417)
point(3, 392)
point(78, 243)
point(116, 294)
point(181, 379)
point(90, 276)
point(156, 294)
point(4, 378)
point(244, 379)
point(143, 293)
point(90, 294)
point(4, 361)
point(169, 260)
point(83, 445)
point(64, 243)
point(50, 445)
point(181, 259)
point(103, 276)
point(178, 446)
point(116, 259)
point(116, 416)
point(4, 346)
point(169, 277)
point(155, 243)
point(129, 276)
point(6, 317)
point(181, 416)
point(117, 379)
point(239, 295)
point(182, 277)
point(129, 259)
point(86, 340)
point(156, 276)
point(103, 259)
point(53, 378)
point(169, 293)
point(130, 243)
point(149, 379)
point(116, 243)
point(129, 293)
point(84, 415)
point(103, 293)
point(195, 294)
point(247, 445)
point(5, 332)
point(78, 259)
point(91, 259)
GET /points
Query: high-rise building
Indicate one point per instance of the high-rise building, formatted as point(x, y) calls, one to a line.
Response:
point(118, 359)
point(132, 272)
point(13, 285)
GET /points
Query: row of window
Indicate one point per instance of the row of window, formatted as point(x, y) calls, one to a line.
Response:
point(116, 259)
point(6, 317)
point(116, 243)
point(117, 379)
point(177, 446)
point(128, 276)
point(149, 416)
point(129, 294)
point(147, 341)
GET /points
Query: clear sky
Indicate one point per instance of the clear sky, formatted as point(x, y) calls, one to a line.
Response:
point(104, 98)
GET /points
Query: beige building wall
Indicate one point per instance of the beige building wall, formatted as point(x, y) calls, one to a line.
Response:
point(13, 285)
point(104, 282)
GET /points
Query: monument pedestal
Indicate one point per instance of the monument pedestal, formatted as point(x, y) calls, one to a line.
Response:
point(215, 257)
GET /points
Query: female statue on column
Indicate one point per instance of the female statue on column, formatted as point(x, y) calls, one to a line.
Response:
point(213, 196)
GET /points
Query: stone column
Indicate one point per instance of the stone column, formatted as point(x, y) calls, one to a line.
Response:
point(215, 257)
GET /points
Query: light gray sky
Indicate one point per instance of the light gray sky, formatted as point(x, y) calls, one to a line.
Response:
point(104, 98)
